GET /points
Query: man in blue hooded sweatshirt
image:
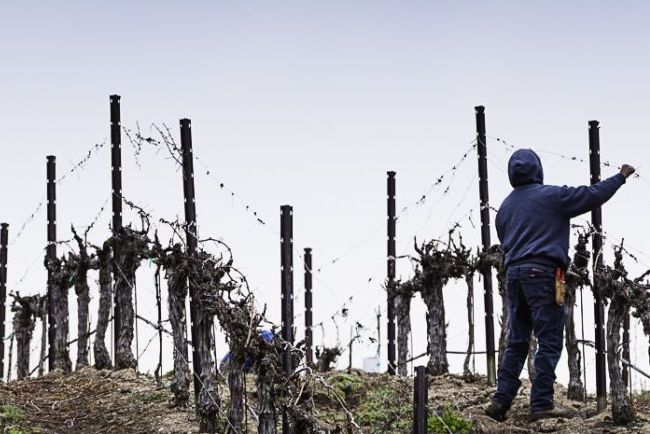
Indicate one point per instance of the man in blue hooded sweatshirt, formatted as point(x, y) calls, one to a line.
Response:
point(533, 227)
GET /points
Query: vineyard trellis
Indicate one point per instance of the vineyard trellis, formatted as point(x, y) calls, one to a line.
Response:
point(287, 371)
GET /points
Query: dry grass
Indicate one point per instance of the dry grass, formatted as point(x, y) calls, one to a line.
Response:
point(91, 401)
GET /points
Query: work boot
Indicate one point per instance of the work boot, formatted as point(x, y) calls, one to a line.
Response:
point(496, 411)
point(551, 413)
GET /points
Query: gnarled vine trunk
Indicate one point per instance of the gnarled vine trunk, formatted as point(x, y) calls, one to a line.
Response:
point(123, 289)
point(403, 314)
point(437, 267)
point(205, 273)
point(26, 310)
point(467, 372)
point(437, 331)
point(238, 318)
point(23, 330)
point(209, 403)
point(622, 410)
point(102, 356)
point(83, 300)
point(62, 272)
point(83, 262)
point(576, 278)
point(133, 247)
point(613, 284)
point(237, 391)
point(177, 294)
point(326, 357)
point(267, 419)
point(61, 319)
point(174, 261)
point(576, 390)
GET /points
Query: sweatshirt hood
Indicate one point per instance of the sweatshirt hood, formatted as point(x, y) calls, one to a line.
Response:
point(524, 168)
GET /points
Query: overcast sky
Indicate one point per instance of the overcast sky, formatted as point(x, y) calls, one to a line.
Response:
point(309, 104)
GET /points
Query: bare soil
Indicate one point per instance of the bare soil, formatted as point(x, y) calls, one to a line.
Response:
point(91, 401)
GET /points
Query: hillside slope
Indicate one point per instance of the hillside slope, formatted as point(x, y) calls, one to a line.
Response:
point(90, 401)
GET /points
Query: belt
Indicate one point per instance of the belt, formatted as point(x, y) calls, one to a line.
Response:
point(536, 260)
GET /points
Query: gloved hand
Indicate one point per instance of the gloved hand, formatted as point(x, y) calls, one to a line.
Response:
point(627, 170)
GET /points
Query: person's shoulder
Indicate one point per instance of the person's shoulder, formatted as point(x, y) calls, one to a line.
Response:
point(552, 190)
point(522, 196)
point(507, 204)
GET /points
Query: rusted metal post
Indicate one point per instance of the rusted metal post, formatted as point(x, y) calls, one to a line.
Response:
point(4, 242)
point(191, 242)
point(420, 397)
point(116, 195)
point(309, 332)
point(51, 254)
point(200, 323)
point(597, 252)
point(486, 241)
point(391, 252)
point(286, 269)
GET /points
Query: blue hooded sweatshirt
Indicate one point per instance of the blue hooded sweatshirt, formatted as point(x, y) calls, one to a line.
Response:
point(533, 223)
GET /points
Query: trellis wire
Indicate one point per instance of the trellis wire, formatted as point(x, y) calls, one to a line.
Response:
point(78, 166)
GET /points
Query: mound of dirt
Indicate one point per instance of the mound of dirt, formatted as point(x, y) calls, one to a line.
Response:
point(91, 401)
point(469, 399)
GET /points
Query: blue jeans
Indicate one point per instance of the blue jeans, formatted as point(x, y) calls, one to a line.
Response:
point(532, 308)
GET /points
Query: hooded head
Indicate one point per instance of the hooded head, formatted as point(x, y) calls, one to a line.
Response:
point(524, 168)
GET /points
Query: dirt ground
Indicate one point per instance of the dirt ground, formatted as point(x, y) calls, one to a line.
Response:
point(471, 398)
point(91, 401)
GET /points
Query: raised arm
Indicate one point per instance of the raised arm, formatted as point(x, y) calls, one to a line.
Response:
point(574, 201)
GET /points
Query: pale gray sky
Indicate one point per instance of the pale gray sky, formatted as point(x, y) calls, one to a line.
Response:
point(310, 104)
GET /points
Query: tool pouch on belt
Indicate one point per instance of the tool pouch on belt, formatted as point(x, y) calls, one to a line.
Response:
point(560, 286)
